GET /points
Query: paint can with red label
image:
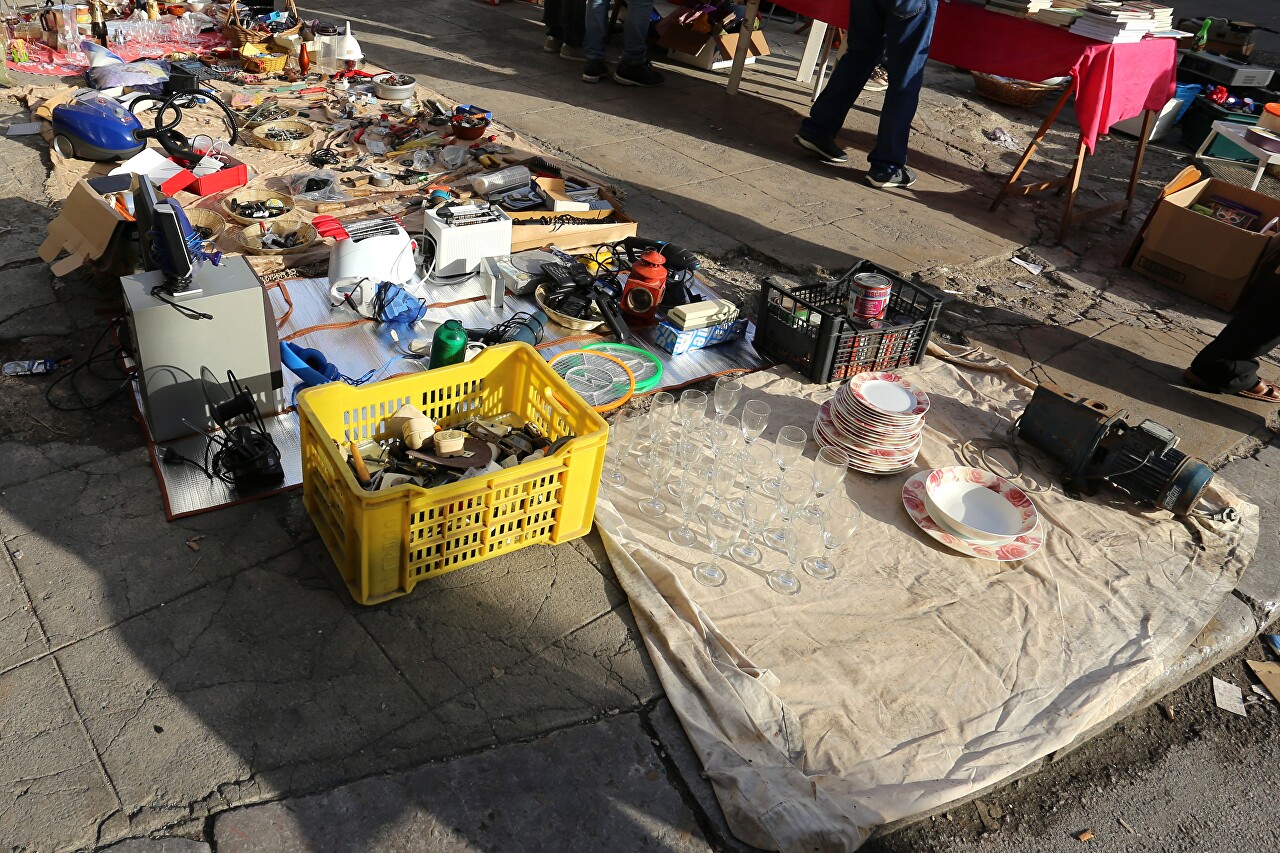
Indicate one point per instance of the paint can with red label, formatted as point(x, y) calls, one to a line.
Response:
point(869, 295)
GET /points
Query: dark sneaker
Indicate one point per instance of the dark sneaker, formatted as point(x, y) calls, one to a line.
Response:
point(824, 148)
point(890, 176)
point(879, 80)
point(594, 70)
point(552, 44)
point(637, 75)
point(572, 53)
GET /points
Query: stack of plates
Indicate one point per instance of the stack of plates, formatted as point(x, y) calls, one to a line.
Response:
point(974, 512)
point(877, 419)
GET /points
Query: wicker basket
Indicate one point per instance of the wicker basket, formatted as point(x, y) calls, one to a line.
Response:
point(260, 132)
point(1015, 93)
point(262, 61)
point(572, 323)
point(250, 235)
point(256, 195)
point(239, 36)
point(199, 217)
point(287, 113)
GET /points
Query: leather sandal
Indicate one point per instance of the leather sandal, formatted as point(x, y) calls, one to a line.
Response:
point(1267, 392)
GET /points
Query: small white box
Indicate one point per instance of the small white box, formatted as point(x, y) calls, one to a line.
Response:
point(460, 248)
point(1163, 125)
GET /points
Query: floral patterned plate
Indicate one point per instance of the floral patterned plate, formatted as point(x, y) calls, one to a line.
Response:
point(1019, 549)
point(888, 394)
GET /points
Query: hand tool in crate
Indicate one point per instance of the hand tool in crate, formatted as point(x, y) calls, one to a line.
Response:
point(809, 326)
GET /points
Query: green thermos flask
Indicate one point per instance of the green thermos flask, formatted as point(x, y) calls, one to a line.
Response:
point(448, 345)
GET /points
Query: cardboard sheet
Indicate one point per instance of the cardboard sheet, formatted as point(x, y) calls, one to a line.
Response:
point(917, 675)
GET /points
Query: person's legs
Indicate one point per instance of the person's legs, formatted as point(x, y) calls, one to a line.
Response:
point(907, 39)
point(596, 23)
point(573, 21)
point(553, 20)
point(1229, 363)
point(866, 46)
point(635, 32)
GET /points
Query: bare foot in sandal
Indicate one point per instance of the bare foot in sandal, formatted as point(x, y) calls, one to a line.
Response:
point(1267, 392)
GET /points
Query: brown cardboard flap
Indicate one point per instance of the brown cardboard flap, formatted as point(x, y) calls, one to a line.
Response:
point(1198, 241)
point(83, 227)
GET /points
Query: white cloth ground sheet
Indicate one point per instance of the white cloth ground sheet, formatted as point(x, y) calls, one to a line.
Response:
point(917, 675)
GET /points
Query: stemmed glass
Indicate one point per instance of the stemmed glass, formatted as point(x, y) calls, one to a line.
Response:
point(692, 408)
point(795, 489)
point(621, 433)
point(690, 489)
point(687, 452)
point(657, 464)
point(724, 479)
point(784, 581)
point(809, 535)
point(757, 514)
point(755, 417)
point(725, 397)
point(726, 434)
point(659, 420)
point(755, 461)
point(787, 451)
point(829, 469)
point(837, 528)
point(723, 529)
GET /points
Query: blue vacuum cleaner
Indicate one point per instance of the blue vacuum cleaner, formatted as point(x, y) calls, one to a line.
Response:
point(94, 127)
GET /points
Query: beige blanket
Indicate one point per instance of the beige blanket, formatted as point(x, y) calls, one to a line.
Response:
point(917, 675)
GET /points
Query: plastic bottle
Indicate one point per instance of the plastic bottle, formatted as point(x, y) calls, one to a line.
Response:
point(512, 178)
point(448, 345)
point(28, 368)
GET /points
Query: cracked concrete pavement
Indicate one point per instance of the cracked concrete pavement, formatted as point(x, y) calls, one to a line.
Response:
point(231, 694)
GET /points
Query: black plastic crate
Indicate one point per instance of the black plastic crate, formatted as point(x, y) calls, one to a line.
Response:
point(807, 327)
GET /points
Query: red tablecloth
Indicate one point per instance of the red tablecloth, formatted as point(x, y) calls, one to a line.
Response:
point(1113, 81)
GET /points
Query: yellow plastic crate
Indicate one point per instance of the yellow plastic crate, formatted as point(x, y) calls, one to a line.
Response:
point(386, 542)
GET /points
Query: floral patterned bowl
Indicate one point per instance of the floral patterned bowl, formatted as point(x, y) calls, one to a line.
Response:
point(978, 505)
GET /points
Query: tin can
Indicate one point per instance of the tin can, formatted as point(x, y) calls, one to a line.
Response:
point(870, 295)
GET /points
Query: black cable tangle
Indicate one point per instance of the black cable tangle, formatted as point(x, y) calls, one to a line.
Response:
point(93, 358)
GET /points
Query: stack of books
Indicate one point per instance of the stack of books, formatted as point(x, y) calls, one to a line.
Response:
point(1019, 8)
point(1063, 13)
point(1121, 23)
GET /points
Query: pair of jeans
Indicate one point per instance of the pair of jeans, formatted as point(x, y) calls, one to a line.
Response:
point(899, 32)
point(566, 20)
point(1230, 362)
point(635, 31)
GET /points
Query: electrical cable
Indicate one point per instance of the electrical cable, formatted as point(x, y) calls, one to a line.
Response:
point(160, 293)
point(429, 272)
point(93, 358)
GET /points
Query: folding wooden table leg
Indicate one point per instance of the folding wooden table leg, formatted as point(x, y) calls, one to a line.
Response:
point(1031, 147)
point(744, 45)
point(1073, 186)
point(1148, 122)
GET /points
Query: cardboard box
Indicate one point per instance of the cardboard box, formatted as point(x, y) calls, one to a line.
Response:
point(1200, 256)
point(716, 52)
point(678, 342)
point(567, 237)
point(85, 225)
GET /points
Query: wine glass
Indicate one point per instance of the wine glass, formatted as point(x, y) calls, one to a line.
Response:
point(690, 489)
point(657, 464)
point(784, 581)
point(787, 451)
point(757, 513)
point(688, 452)
point(755, 461)
point(846, 511)
point(755, 417)
point(692, 408)
point(829, 469)
point(723, 529)
point(663, 407)
point(725, 397)
point(621, 433)
point(836, 530)
point(795, 488)
point(809, 535)
point(724, 478)
point(726, 432)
